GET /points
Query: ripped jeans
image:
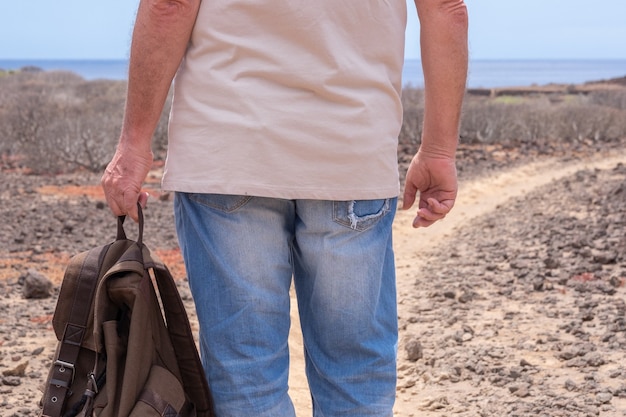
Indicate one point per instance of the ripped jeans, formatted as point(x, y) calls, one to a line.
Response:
point(241, 254)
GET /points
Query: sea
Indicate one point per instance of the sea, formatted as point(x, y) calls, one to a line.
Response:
point(482, 73)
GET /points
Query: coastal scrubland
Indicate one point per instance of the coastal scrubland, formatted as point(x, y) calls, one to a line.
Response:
point(58, 122)
point(513, 305)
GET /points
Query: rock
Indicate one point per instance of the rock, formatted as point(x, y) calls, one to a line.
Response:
point(604, 257)
point(434, 404)
point(409, 383)
point(11, 381)
point(36, 285)
point(449, 294)
point(525, 364)
point(19, 370)
point(594, 359)
point(570, 385)
point(520, 390)
point(414, 350)
point(551, 263)
point(617, 281)
point(604, 397)
point(465, 297)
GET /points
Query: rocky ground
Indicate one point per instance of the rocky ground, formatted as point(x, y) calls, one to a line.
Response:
point(514, 308)
point(522, 311)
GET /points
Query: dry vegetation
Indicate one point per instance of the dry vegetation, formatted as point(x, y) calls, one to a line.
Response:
point(503, 126)
point(512, 315)
point(54, 122)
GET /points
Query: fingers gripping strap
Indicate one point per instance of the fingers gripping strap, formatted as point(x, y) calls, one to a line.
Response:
point(121, 234)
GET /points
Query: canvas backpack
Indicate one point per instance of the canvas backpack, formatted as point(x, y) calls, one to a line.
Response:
point(125, 343)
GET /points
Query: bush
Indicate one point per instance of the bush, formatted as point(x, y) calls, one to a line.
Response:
point(564, 118)
point(57, 122)
point(610, 98)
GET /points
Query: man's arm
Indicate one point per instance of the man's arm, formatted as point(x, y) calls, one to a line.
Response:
point(444, 51)
point(160, 38)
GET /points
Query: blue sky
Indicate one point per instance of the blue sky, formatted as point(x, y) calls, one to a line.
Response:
point(499, 29)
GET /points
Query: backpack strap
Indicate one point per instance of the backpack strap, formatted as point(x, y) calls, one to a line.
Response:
point(86, 267)
point(179, 329)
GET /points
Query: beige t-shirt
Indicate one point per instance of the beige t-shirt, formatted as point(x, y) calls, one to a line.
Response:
point(293, 99)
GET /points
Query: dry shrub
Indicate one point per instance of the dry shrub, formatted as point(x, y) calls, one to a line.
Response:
point(413, 116)
point(54, 122)
point(523, 121)
point(579, 122)
point(529, 122)
point(615, 98)
point(60, 122)
point(57, 122)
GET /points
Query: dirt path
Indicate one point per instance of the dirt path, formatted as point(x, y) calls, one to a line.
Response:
point(475, 199)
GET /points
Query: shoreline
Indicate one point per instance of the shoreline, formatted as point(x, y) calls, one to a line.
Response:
point(483, 73)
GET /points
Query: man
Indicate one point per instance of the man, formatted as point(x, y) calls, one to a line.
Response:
point(282, 153)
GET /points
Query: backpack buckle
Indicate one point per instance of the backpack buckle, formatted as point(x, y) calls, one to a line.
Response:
point(63, 366)
point(94, 383)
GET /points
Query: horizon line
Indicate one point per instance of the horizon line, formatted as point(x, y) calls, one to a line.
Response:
point(406, 59)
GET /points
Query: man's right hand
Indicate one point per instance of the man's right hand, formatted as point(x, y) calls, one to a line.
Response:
point(123, 178)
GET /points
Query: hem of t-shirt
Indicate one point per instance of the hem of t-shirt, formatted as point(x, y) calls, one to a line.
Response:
point(286, 193)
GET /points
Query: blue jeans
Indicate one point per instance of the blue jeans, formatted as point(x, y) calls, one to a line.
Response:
point(241, 253)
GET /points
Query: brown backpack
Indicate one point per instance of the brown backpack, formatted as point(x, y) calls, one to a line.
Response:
point(125, 344)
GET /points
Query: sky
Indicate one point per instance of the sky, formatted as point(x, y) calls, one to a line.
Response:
point(499, 29)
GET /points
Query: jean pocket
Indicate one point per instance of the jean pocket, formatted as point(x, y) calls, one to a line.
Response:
point(226, 203)
point(360, 215)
